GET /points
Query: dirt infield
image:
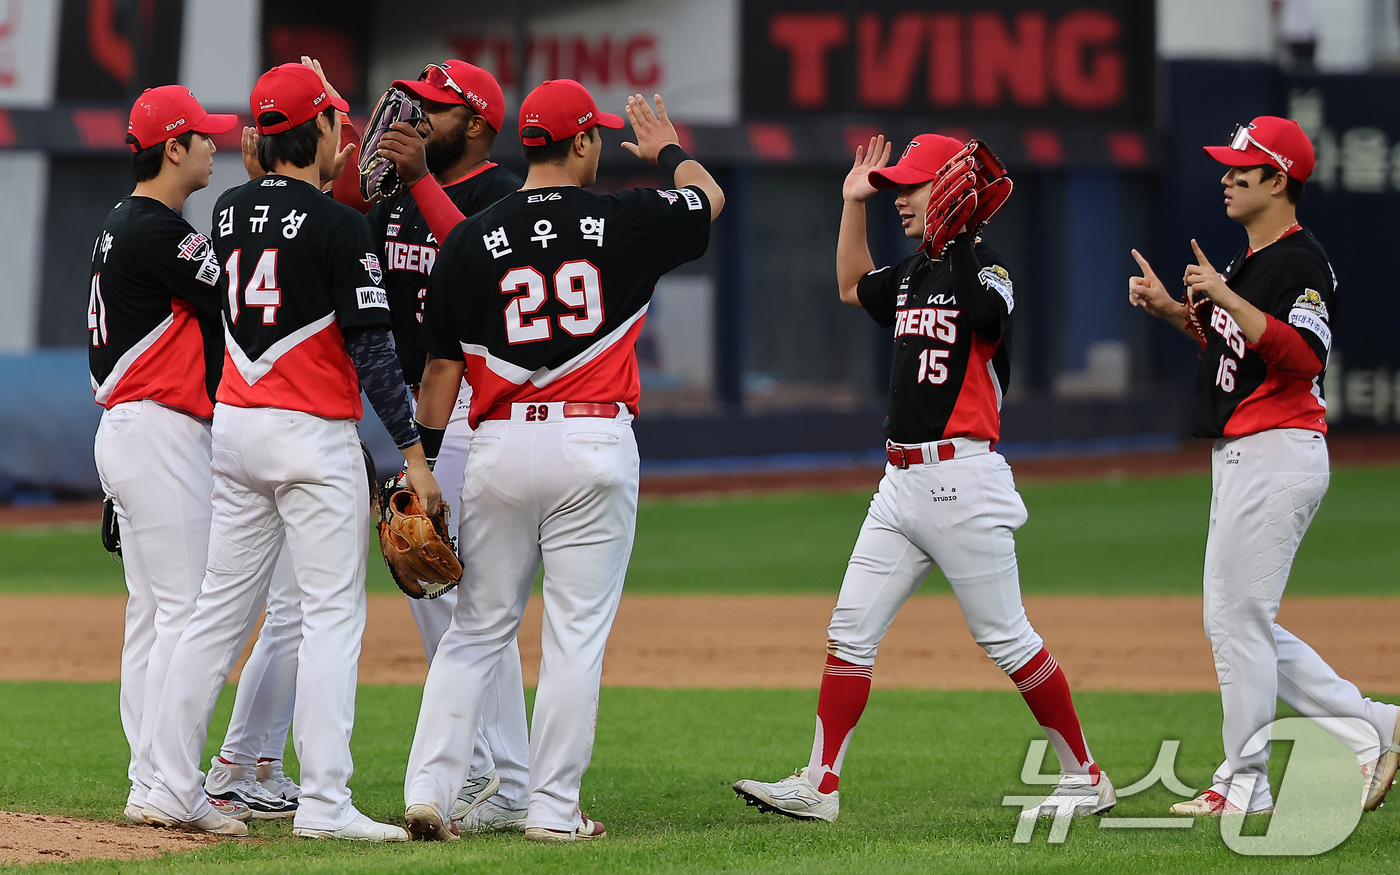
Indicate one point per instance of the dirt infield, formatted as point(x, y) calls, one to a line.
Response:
point(1118, 643)
point(46, 838)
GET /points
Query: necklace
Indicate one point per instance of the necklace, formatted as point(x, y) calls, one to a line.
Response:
point(1285, 232)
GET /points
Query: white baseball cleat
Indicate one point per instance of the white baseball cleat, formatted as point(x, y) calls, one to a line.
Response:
point(213, 823)
point(1080, 796)
point(587, 830)
point(476, 791)
point(361, 829)
point(235, 782)
point(1380, 773)
point(490, 817)
point(791, 797)
point(269, 773)
point(134, 813)
point(426, 825)
point(1211, 804)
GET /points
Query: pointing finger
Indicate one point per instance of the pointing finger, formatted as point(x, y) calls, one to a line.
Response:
point(1146, 268)
point(1200, 256)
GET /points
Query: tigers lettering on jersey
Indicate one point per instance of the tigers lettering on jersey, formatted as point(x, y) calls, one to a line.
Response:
point(153, 310)
point(411, 252)
point(1237, 392)
point(543, 294)
point(300, 270)
point(947, 380)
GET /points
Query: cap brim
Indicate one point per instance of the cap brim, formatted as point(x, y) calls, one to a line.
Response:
point(340, 104)
point(1236, 157)
point(609, 120)
point(217, 123)
point(894, 177)
point(420, 89)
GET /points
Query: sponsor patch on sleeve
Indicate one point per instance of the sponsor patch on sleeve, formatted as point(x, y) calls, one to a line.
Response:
point(1300, 317)
point(1311, 301)
point(196, 247)
point(692, 200)
point(998, 280)
point(370, 297)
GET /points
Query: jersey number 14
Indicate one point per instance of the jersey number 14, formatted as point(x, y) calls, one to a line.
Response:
point(261, 291)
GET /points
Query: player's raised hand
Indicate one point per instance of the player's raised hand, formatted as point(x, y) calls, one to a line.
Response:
point(653, 130)
point(1203, 279)
point(403, 144)
point(1147, 292)
point(876, 155)
point(250, 153)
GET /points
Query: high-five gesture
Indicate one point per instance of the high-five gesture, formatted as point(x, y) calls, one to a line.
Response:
point(876, 155)
point(653, 130)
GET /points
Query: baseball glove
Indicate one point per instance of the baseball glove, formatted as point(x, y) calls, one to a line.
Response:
point(421, 555)
point(379, 178)
point(951, 204)
point(1195, 323)
point(993, 185)
point(111, 531)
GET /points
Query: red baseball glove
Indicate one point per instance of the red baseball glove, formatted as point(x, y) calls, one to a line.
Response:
point(951, 205)
point(1195, 323)
point(993, 185)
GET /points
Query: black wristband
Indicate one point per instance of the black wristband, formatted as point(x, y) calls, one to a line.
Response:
point(432, 440)
point(670, 157)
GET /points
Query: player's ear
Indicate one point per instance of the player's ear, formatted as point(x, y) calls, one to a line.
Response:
point(173, 151)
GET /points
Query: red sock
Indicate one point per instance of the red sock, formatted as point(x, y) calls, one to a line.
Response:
point(845, 690)
point(1046, 691)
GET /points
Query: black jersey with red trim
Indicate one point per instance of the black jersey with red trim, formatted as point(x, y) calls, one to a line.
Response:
point(1237, 392)
point(153, 310)
point(300, 269)
point(948, 378)
point(543, 295)
point(410, 251)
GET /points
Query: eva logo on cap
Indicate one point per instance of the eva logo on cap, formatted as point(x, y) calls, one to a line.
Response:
point(173, 125)
point(585, 117)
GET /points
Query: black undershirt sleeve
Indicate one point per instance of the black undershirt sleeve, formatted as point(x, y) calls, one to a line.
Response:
point(371, 348)
point(980, 305)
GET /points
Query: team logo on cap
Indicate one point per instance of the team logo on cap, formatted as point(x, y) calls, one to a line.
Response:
point(371, 263)
point(909, 148)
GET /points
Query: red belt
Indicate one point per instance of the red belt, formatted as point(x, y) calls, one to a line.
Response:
point(903, 457)
point(602, 410)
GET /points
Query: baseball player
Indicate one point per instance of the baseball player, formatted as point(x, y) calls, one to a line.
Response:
point(947, 499)
point(307, 327)
point(539, 300)
point(156, 353)
point(1263, 325)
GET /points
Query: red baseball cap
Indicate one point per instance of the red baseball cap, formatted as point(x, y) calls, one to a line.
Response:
point(1277, 142)
point(457, 82)
point(564, 108)
point(922, 159)
point(293, 90)
point(169, 111)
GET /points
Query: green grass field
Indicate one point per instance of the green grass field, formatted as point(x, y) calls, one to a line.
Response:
point(1119, 537)
point(926, 772)
point(923, 785)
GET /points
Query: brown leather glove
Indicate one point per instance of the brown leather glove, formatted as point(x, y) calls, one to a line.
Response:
point(419, 551)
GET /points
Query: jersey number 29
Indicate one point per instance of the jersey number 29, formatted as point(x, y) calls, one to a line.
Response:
point(262, 290)
point(577, 285)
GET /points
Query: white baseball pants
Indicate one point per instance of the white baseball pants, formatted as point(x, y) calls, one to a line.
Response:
point(276, 473)
point(502, 741)
point(263, 706)
point(561, 491)
point(1266, 488)
point(959, 515)
point(153, 461)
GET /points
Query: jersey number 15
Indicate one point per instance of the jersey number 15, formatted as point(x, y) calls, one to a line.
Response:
point(577, 285)
point(262, 290)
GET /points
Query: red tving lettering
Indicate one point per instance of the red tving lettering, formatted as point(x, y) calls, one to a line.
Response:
point(808, 37)
point(885, 64)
